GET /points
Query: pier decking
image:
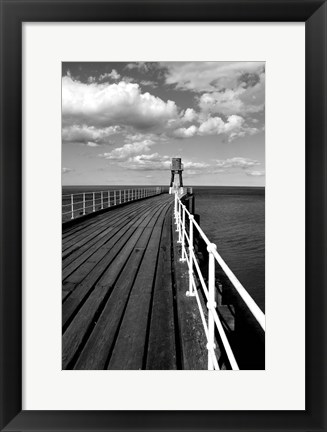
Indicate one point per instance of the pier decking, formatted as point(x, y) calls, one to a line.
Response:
point(124, 303)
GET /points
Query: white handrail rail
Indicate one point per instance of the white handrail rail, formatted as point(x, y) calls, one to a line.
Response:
point(99, 200)
point(187, 245)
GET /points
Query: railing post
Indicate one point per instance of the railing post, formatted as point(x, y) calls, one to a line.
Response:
point(108, 198)
point(177, 215)
point(211, 305)
point(101, 200)
point(179, 221)
point(190, 257)
point(114, 197)
point(83, 204)
point(120, 197)
point(72, 205)
point(183, 258)
point(94, 201)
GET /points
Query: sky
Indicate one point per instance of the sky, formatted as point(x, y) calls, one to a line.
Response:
point(123, 122)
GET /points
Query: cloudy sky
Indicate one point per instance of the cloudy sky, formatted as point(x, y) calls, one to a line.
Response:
point(123, 122)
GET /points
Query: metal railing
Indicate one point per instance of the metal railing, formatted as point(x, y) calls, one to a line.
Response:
point(186, 223)
point(82, 203)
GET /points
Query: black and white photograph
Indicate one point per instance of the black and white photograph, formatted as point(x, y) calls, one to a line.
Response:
point(163, 215)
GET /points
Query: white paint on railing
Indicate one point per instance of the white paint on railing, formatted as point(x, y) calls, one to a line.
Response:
point(72, 204)
point(191, 252)
point(183, 237)
point(187, 242)
point(211, 304)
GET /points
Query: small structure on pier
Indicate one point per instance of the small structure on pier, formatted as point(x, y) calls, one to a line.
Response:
point(176, 167)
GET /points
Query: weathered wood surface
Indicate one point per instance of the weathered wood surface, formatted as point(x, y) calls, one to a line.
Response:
point(122, 306)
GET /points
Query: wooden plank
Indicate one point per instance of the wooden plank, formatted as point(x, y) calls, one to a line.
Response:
point(77, 229)
point(93, 238)
point(82, 321)
point(92, 270)
point(111, 218)
point(96, 350)
point(94, 253)
point(129, 348)
point(162, 345)
point(88, 272)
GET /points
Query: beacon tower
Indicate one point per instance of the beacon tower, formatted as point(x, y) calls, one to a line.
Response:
point(176, 167)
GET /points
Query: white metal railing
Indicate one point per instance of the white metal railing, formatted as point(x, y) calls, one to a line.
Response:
point(79, 204)
point(186, 223)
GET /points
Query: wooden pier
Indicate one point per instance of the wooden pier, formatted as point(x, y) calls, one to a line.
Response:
point(124, 303)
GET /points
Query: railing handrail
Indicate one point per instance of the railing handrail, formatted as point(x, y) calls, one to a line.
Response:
point(180, 213)
point(104, 198)
point(110, 190)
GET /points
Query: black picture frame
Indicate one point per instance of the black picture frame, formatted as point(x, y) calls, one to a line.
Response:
point(13, 14)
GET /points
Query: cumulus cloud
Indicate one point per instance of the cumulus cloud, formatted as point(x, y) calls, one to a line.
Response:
point(85, 134)
point(211, 76)
point(151, 162)
point(189, 115)
point(66, 170)
point(144, 67)
point(148, 162)
point(188, 165)
point(103, 105)
point(127, 150)
point(242, 100)
point(157, 162)
point(90, 110)
point(186, 132)
point(113, 75)
point(148, 83)
point(225, 87)
point(216, 126)
point(255, 173)
point(239, 162)
point(233, 127)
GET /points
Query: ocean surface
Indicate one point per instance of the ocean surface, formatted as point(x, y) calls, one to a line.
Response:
point(234, 219)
